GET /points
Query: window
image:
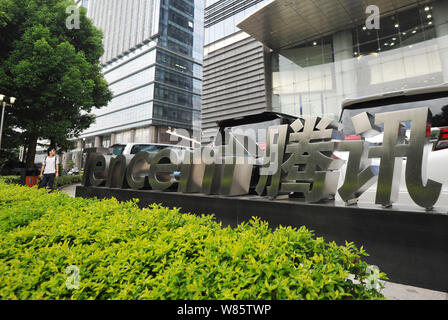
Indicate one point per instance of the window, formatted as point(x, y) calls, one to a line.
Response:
point(180, 35)
point(183, 6)
point(146, 147)
point(174, 79)
point(171, 113)
point(180, 20)
point(184, 99)
point(174, 62)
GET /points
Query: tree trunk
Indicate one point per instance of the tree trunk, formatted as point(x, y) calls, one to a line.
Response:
point(52, 143)
point(31, 152)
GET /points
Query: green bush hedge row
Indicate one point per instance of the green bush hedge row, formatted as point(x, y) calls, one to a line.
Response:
point(124, 252)
point(10, 179)
point(60, 181)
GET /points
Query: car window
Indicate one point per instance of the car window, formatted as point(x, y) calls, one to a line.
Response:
point(117, 149)
point(250, 133)
point(146, 147)
point(438, 107)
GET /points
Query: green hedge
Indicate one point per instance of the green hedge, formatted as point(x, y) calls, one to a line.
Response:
point(124, 252)
point(10, 179)
point(59, 182)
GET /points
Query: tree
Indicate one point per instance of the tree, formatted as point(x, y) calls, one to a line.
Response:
point(54, 72)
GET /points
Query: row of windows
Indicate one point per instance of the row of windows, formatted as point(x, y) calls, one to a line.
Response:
point(135, 114)
point(174, 79)
point(403, 29)
point(180, 20)
point(227, 8)
point(132, 98)
point(179, 48)
point(131, 67)
point(228, 26)
point(132, 82)
point(178, 80)
point(181, 27)
point(182, 5)
point(180, 35)
point(184, 99)
point(169, 113)
point(174, 62)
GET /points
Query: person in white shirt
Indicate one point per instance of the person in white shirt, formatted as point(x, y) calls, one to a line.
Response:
point(49, 170)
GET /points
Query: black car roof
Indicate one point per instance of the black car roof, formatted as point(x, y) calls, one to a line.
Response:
point(254, 118)
point(397, 97)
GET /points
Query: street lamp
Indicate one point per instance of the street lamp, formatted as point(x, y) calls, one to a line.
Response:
point(12, 100)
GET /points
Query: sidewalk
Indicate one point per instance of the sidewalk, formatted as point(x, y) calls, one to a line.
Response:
point(395, 291)
point(70, 190)
point(392, 291)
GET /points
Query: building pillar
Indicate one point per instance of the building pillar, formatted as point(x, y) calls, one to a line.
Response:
point(98, 142)
point(113, 138)
point(344, 66)
point(153, 134)
point(132, 136)
point(65, 159)
point(440, 14)
point(77, 155)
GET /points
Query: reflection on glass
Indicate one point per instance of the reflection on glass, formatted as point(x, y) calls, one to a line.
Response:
point(438, 107)
point(314, 78)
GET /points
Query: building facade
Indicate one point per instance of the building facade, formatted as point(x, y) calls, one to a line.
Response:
point(322, 56)
point(311, 56)
point(153, 64)
point(236, 80)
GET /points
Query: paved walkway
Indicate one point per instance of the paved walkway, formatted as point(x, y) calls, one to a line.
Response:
point(71, 190)
point(395, 291)
point(392, 291)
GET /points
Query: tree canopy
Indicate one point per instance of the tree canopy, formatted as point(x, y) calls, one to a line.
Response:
point(53, 71)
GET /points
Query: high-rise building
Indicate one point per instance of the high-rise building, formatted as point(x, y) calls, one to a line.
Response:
point(153, 64)
point(325, 54)
point(305, 57)
point(236, 82)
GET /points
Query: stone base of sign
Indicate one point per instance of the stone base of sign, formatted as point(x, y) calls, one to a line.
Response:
point(410, 245)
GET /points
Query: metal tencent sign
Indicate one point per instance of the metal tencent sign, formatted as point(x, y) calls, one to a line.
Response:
point(298, 159)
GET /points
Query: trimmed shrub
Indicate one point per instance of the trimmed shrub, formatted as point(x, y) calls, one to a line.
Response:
point(10, 179)
point(124, 252)
point(59, 182)
point(67, 180)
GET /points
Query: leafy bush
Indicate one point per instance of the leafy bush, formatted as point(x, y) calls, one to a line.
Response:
point(66, 180)
point(10, 179)
point(59, 182)
point(124, 252)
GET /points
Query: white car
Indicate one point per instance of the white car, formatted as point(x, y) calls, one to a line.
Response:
point(435, 98)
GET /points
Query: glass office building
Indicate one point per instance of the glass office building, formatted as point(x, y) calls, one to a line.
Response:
point(235, 81)
point(153, 64)
point(304, 57)
point(322, 55)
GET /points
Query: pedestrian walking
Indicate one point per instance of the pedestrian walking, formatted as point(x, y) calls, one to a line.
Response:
point(49, 170)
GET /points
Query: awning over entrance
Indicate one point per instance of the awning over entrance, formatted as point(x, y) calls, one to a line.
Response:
point(283, 23)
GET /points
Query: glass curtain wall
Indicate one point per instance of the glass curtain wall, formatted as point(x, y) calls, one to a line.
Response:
point(178, 75)
point(314, 78)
